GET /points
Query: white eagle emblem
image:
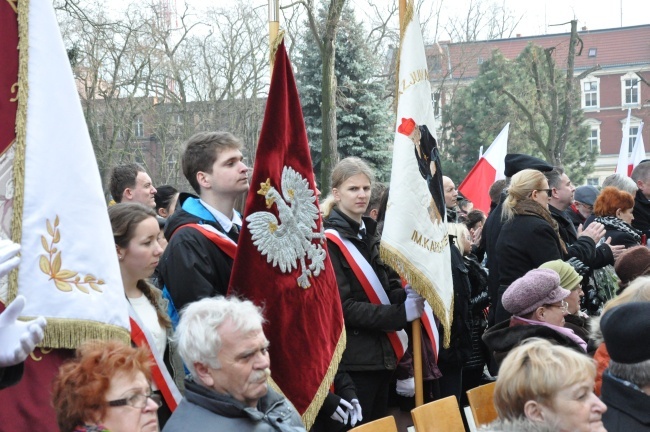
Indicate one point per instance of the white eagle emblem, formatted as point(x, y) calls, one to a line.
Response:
point(290, 241)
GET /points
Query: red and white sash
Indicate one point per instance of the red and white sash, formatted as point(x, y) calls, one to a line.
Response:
point(161, 377)
point(430, 324)
point(222, 241)
point(370, 283)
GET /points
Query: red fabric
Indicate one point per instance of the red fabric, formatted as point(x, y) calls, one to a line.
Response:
point(9, 75)
point(303, 325)
point(602, 362)
point(228, 247)
point(477, 184)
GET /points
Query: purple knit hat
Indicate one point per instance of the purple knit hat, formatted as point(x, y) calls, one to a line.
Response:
point(534, 289)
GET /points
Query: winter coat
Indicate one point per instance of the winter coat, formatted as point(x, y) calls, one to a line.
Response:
point(490, 234)
point(203, 409)
point(366, 324)
point(628, 409)
point(641, 213)
point(503, 337)
point(582, 248)
point(192, 267)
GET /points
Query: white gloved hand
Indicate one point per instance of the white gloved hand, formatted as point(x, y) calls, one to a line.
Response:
point(410, 292)
point(342, 412)
point(355, 413)
point(406, 387)
point(8, 258)
point(18, 338)
point(414, 307)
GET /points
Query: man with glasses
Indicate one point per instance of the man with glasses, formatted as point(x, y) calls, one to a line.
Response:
point(224, 347)
point(539, 307)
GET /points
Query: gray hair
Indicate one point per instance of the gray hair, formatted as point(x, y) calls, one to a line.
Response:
point(197, 334)
point(554, 177)
point(641, 172)
point(621, 182)
point(636, 373)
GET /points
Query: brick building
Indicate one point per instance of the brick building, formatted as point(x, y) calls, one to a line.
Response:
point(621, 80)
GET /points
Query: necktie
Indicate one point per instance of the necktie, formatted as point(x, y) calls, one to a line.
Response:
point(362, 233)
point(234, 233)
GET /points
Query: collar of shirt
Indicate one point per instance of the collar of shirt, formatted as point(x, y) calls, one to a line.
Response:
point(225, 223)
point(361, 227)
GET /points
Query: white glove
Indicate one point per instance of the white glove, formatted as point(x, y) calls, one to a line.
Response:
point(355, 413)
point(342, 412)
point(406, 387)
point(414, 307)
point(18, 338)
point(410, 292)
point(8, 258)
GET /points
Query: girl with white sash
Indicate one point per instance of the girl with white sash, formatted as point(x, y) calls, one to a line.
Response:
point(136, 232)
point(375, 307)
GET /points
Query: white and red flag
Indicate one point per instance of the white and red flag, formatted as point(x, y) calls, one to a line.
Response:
point(489, 168)
point(638, 151)
point(623, 154)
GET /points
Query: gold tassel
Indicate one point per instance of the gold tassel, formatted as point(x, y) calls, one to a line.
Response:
point(309, 416)
point(70, 333)
point(421, 284)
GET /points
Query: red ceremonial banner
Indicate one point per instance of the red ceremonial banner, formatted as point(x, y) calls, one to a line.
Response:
point(9, 75)
point(282, 262)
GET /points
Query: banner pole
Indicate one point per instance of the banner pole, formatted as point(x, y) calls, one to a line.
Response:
point(274, 27)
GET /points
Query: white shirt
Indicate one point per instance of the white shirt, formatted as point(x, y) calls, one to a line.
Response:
point(147, 314)
point(222, 218)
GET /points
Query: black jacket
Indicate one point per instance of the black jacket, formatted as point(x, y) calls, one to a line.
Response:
point(641, 213)
point(366, 324)
point(192, 267)
point(491, 230)
point(621, 238)
point(628, 409)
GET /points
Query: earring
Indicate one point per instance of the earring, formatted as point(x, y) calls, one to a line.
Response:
point(120, 257)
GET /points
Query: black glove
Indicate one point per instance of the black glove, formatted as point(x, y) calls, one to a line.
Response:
point(579, 266)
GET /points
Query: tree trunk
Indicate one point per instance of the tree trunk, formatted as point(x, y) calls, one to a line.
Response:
point(329, 151)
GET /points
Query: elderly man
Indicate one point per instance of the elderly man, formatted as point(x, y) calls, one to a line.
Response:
point(451, 193)
point(223, 346)
point(626, 384)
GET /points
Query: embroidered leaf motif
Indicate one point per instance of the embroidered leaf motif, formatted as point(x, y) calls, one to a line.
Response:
point(51, 263)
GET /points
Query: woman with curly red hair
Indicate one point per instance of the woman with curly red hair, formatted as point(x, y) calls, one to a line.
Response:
point(106, 388)
point(613, 208)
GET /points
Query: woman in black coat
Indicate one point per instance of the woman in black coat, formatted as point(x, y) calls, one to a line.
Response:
point(529, 236)
point(369, 357)
point(613, 208)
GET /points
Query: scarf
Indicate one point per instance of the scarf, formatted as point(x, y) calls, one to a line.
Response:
point(612, 222)
point(530, 207)
point(517, 320)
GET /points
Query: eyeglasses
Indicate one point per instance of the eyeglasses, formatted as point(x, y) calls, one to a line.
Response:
point(138, 400)
point(549, 192)
point(564, 306)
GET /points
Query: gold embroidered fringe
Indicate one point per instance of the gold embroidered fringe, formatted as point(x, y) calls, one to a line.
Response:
point(70, 333)
point(19, 143)
point(421, 285)
point(276, 44)
point(309, 416)
point(404, 22)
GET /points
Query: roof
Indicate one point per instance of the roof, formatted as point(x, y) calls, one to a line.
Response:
point(617, 47)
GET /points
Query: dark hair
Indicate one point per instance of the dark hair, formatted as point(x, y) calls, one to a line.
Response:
point(125, 218)
point(163, 196)
point(201, 151)
point(554, 177)
point(376, 193)
point(79, 389)
point(495, 191)
point(122, 177)
point(474, 217)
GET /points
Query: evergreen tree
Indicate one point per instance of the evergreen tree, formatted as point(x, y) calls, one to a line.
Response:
point(479, 112)
point(364, 118)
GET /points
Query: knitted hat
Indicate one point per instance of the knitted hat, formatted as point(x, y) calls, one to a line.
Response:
point(569, 278)
point(586, 194)
point(626, 329)
point(632, 263)
point(534, 289)
point(515, 162)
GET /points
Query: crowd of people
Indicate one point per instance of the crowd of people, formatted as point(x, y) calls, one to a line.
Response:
point(549, 297)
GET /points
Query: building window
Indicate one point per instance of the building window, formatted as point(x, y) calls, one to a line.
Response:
point(590, 88)
point(593, 181)
point(594, 139)
point(591, 94)
point(634, 131)
point(138, 127)
point(630, 90)
point(592, 52)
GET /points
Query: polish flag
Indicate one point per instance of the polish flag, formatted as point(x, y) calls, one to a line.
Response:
point(622, 165)
point(487, 170)
point(638, 152)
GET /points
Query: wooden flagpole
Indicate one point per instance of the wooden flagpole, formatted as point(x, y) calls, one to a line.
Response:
point(416, 333)
point(274, 27)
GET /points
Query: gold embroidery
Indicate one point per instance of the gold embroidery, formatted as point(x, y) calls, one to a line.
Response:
point(14, 89)
point(51, 265)
point(13, 4)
